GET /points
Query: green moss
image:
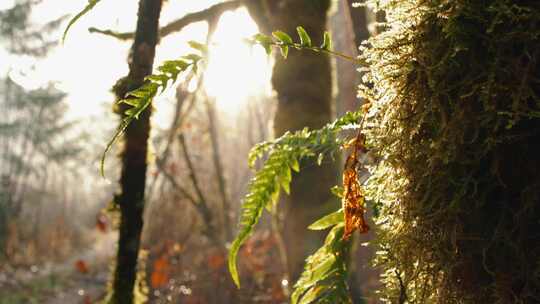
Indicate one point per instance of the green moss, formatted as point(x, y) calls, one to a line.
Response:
point(454, 88)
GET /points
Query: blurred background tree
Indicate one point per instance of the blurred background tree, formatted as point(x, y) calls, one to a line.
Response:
point(36, 140)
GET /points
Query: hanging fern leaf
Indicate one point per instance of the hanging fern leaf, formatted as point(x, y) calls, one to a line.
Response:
point(324, 279)
point(284, 155)
point(86, 9)
point(328, 221)
point(141, 98)
point(283, 41)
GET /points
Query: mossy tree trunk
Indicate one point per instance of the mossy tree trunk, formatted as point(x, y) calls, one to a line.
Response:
point(130, 200)
point(456, 123)
point(304, 89)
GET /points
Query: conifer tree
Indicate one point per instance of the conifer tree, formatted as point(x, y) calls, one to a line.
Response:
point(32, 124)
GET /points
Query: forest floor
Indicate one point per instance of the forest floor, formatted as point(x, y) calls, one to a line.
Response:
point(79, 279)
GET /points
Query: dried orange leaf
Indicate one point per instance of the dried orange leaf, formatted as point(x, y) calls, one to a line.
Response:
point(353, 200)
point(160, 272)
point(81, 266)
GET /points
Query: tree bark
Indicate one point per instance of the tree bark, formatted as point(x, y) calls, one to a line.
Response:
point(133, 175)
point(344, 39)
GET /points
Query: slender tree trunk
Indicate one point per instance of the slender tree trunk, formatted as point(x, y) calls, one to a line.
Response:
point(304, 89)
point(133, 175)
point(344, 38)
point(359, 19)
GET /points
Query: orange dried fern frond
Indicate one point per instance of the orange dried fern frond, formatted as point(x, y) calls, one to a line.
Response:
point(353, 200)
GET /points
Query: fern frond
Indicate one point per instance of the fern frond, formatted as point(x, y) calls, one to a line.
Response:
point(284, 155)
point(283, 41)
point(85, 10)
point(142, 97)
point(324, 279)
point(139, 99)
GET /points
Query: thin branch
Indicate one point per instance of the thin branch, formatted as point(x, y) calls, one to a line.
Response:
point(209, 14)
point(117, 35)
point(195, 182)
point(402, 289)
point(200, 206)
point(180, 189)
point(176, 124)
point(199, 202)
point(218, 166)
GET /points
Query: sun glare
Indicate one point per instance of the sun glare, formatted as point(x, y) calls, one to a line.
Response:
point(87, 65)
point(236, 70)
point(6, 4)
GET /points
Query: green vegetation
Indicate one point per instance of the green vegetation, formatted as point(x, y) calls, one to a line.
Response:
point(453, 120)
point(284, 155)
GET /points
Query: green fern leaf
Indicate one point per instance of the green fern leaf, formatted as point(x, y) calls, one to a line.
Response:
point(328, 221)
point(327, 42)
point(263, 188)
point(284, 51)
point(265, 41)
point(284, 156)
point(140, 98)
point(198, 46)
point(305, 40)
point(324, 279)
point(325, 274)
point(283, 37)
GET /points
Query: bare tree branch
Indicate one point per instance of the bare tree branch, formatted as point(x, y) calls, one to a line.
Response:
point(209, 14)
point(218, 166)
point(199, 202)
point(199, 205)
point(191, 168)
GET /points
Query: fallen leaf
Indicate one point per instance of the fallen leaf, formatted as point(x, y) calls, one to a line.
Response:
point(160, 272)
point(216, 261)
point(101, 223)
point(81, 266)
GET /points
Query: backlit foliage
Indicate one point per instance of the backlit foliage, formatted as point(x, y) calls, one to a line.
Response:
point(283, 41)
point(139, 99)
point(324, 279)
point(453, 89)
point(284, 155)
point(325, 273)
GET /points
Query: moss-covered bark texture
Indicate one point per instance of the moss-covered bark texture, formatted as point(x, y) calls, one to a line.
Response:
point(455, 120)
point(304, 89)
point(130, 200)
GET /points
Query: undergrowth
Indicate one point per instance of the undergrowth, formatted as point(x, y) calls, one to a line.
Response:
point(454, 120)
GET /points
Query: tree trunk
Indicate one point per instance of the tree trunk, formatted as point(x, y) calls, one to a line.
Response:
point(345, 41)
point(304, 89)
point(133, 175)
point(458, 182)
